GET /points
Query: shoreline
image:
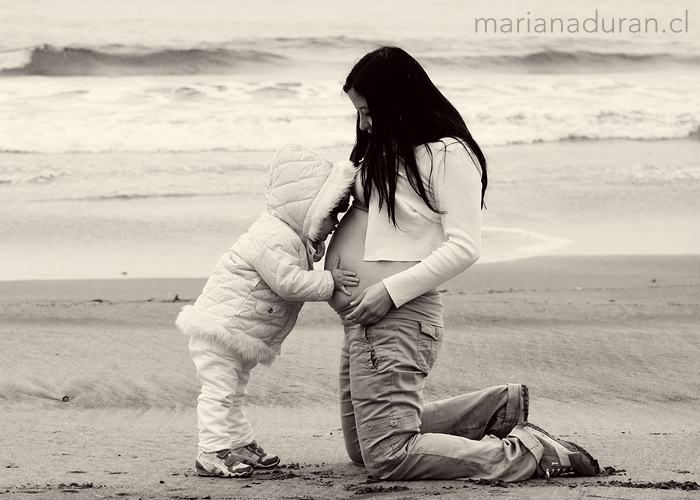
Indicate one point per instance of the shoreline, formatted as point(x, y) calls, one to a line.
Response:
point(612, 197)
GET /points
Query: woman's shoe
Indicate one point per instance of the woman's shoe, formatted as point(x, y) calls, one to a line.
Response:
point(562, 457)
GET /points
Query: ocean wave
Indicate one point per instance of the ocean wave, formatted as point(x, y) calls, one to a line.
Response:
point(118, 61)
point(163, 143)
point(29, 177)
point(140, 196)
point(695, 134)
point(553, 61)
point(222, 113)
point(229, 58)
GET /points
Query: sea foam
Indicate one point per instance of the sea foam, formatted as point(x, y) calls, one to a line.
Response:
point(204, 113)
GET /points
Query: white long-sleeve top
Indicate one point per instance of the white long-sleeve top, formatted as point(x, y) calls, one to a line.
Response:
point(444, 244)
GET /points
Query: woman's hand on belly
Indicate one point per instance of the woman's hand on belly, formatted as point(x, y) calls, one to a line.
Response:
point(371, 305)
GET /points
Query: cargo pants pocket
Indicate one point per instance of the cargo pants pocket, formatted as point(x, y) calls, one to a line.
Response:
point(385, 441)
point(429, 342)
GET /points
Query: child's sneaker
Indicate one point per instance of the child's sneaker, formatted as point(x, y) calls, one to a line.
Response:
point(254, 455)
point(221, 464)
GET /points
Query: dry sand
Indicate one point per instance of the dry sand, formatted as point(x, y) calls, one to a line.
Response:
point(609, 347)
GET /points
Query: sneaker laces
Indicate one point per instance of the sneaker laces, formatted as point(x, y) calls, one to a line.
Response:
point(255, 448)
point(555, 470)
point(228, 457)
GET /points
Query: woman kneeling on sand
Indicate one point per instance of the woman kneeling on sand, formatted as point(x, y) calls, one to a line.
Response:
point(415, 223)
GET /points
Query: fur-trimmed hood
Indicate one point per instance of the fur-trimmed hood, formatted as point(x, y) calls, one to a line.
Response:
point(251, 301)
point(305, 187)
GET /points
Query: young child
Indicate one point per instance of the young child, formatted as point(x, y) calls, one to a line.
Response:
point(251, 302)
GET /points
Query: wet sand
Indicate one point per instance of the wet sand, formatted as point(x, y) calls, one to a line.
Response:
point(610, 197)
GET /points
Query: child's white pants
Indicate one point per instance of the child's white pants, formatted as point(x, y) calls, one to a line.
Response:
point(221, 420)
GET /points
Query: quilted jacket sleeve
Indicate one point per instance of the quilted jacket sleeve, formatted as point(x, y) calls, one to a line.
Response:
point(278, 263)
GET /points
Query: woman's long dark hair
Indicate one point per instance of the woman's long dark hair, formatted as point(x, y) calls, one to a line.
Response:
point(407, 111)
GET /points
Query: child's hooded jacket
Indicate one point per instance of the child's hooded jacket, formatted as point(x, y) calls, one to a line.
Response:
point(252, 300)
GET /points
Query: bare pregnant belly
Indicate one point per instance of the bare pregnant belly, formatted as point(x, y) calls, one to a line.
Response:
point(348, 243)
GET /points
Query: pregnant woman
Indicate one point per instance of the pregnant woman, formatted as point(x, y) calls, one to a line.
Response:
point(415, 223)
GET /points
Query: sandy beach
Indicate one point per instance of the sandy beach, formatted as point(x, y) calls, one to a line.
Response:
point(134, 148)
point(607, 345)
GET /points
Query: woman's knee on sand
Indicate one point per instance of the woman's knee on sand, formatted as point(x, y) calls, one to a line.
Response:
point(352, 447)
point(384, 443)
